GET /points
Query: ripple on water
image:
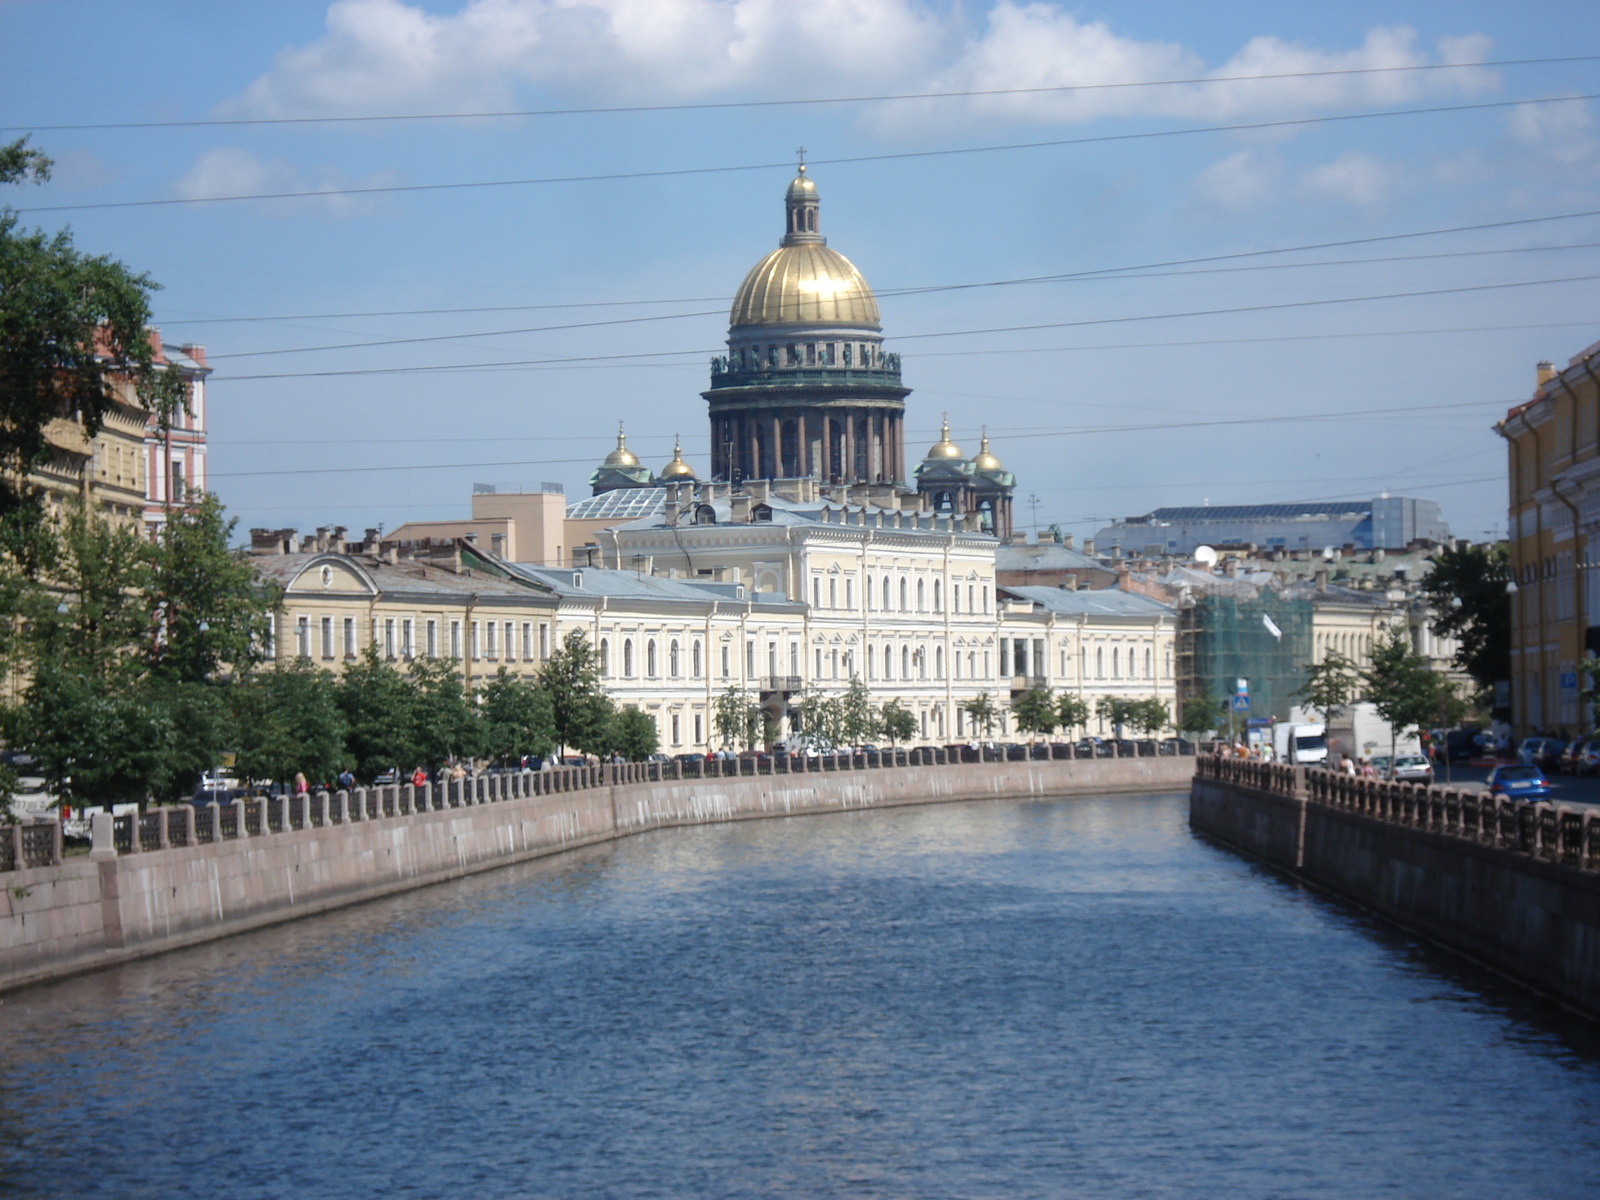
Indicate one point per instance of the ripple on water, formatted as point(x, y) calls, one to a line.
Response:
point(1060, 998)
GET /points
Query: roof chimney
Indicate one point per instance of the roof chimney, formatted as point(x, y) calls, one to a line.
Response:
point(1088, 547)
point(1544, 373)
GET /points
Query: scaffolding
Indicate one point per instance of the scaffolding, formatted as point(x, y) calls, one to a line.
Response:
point(1223, 639)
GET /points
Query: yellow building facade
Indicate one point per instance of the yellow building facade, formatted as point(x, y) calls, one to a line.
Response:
point(1553, 465)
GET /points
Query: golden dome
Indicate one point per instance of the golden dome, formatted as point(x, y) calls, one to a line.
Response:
point(677, 468)
point(621, 456)
point(803, 282)
point(807, 284)
point(986, 461)
point(944, 447)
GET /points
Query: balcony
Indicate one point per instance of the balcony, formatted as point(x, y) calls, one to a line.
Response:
point(725, 375)
point(780, 683)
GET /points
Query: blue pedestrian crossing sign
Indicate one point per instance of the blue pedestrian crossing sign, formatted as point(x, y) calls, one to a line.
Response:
point(1241, 702)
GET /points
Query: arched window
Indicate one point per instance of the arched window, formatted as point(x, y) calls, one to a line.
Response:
point(605, 656)
point(1116, 662)
point(938, 662)
point(888, 662)
point(674, 659)
point(627, 658)
point(705, 515)
point(921, 596)
point(866, 584)
point(761, 512)
point(938, 597)
point(1147, 663)
point(650, 658)
point(904, 592)
point(1099, 662)
point(905, 662)
point(886, 601)
point(694, 659)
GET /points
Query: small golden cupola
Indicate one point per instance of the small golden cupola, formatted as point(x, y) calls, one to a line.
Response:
point(620, 469)
point(944, 447)
point(621, 456)
point(986, 461)
point(677, 469)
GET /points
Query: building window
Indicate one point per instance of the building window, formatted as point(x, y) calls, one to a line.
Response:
point(302, 637)
point(818, 673)
point(904, 607)
point(677, 739)
point(986, 599)
point(489, 640)
point(477, 645)
point(1099, 662)
point(888, 662)
point(650, 658)
point(938, 662)
point(794, 659)
point(972, 599)
point(816, 591)
point(327, 637)
point(388, 638)
point(921, 596)
point(527, 641)
point(886, 604)
point(986, 671)
point(349, 637)
point(955, 606)
point(905, 662)
point(1147, 663)
point(455, 639)
point(407, 649)
point(627, 658)
point(922, 662)
point(938, 599)
point(866, 587)
point(699, 733)
point(833, 593)
point(694, 659)
point(506, 640)
point(605, 656)
point(544, 642)
point(833, 664)
point(674, 667)
point(269, 638)
point(433, 639)
point(749, 660)
point(727, 661)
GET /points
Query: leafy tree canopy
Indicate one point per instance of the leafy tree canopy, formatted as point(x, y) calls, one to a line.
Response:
point(1468, 589)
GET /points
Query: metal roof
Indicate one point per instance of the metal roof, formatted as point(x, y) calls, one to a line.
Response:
point(1255, 512)
point(1099, 602)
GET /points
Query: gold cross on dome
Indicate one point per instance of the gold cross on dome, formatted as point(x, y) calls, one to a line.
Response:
point(801, 155)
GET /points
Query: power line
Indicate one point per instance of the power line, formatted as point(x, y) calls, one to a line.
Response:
point(392, 189)
point(1209, 312)
point(913, 290)
point(1082, 277)
point(737, 104)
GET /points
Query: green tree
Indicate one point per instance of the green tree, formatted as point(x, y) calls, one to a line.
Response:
point(205, 602)
point(579, 707)
point(1036, 711)
point(1117, 711)
point(737, 719)
point(1467, 587)
point(981, 712)
point(1149, 716)
point(1400, 685)
point(286, 720)
point(517, 719)
point(445, 724)
point(73, 330)
point(899, 722)
point(379, 707)
point(1331, 685)
point(859, 721)
point(1202, 714)
point(1072, 712)
point(822, 718)
point(632, 734)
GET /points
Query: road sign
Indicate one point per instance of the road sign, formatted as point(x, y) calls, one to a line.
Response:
point(1241, 702)
point(1569, 681)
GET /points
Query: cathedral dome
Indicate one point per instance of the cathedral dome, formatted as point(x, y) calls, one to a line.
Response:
point(944, 447)
point(803, 282)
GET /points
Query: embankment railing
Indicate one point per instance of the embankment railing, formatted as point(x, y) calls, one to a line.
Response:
point(1538, 828)
point(39, 843)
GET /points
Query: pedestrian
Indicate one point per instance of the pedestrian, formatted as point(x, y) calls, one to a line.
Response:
point(300, 785)
point(346, 780)
point(419, 778)
point(1347, 765)
point(458, 772)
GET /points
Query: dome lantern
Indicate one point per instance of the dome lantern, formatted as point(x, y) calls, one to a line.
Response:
point(802, 204)
point(986, 461)
point(621, 456)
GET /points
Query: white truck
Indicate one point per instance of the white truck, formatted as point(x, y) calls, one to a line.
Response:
point(1361, 733)
point(1300, 743)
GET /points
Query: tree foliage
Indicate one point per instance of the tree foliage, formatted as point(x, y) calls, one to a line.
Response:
point(579, 708)
point(1201, 714)
point(981, 711)
point(632, 734)
point(1331, 685)
point(1468, 589)
point(1072, 712)
point(738, 719)
point(1036, 711)
point(1402, 687)
point(379, 710)
point(899, 722)
point(517, 717)
point(286, 721)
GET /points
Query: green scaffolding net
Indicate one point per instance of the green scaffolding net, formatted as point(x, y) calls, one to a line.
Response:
point(1265, 640)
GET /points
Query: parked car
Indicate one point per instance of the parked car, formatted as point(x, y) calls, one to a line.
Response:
point(1520, 781)
point(1462, 745)
point(1544, 752)
point(1408, 768)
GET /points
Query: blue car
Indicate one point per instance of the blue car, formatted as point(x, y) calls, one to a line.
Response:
point(1520, 781)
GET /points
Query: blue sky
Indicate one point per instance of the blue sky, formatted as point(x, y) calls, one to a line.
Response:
point(1108, 406)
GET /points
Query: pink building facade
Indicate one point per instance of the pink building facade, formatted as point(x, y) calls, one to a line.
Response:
point(175, 467)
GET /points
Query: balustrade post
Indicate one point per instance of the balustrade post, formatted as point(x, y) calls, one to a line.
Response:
point(240, 827)
point(17, 851)
point(163, 833)
point(102, 831)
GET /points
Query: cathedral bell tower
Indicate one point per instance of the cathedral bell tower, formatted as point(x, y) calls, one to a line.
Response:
point(805, 388)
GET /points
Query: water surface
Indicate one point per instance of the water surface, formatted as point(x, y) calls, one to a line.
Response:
point(1071, 998)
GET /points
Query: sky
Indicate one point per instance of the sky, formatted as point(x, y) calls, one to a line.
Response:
point(384, 343)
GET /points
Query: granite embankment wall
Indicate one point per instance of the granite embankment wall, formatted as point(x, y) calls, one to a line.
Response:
point(1514, 885)
point(218, 872)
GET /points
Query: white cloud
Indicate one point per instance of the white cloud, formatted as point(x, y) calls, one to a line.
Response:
point(387, 55)
point(230, 171)
point(1354, 177)
point(1243, 180)
point(1561, 130)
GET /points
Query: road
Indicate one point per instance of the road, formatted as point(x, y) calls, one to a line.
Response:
point(1564, 789)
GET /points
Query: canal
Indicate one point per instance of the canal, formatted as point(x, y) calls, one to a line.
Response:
point(996, 999)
